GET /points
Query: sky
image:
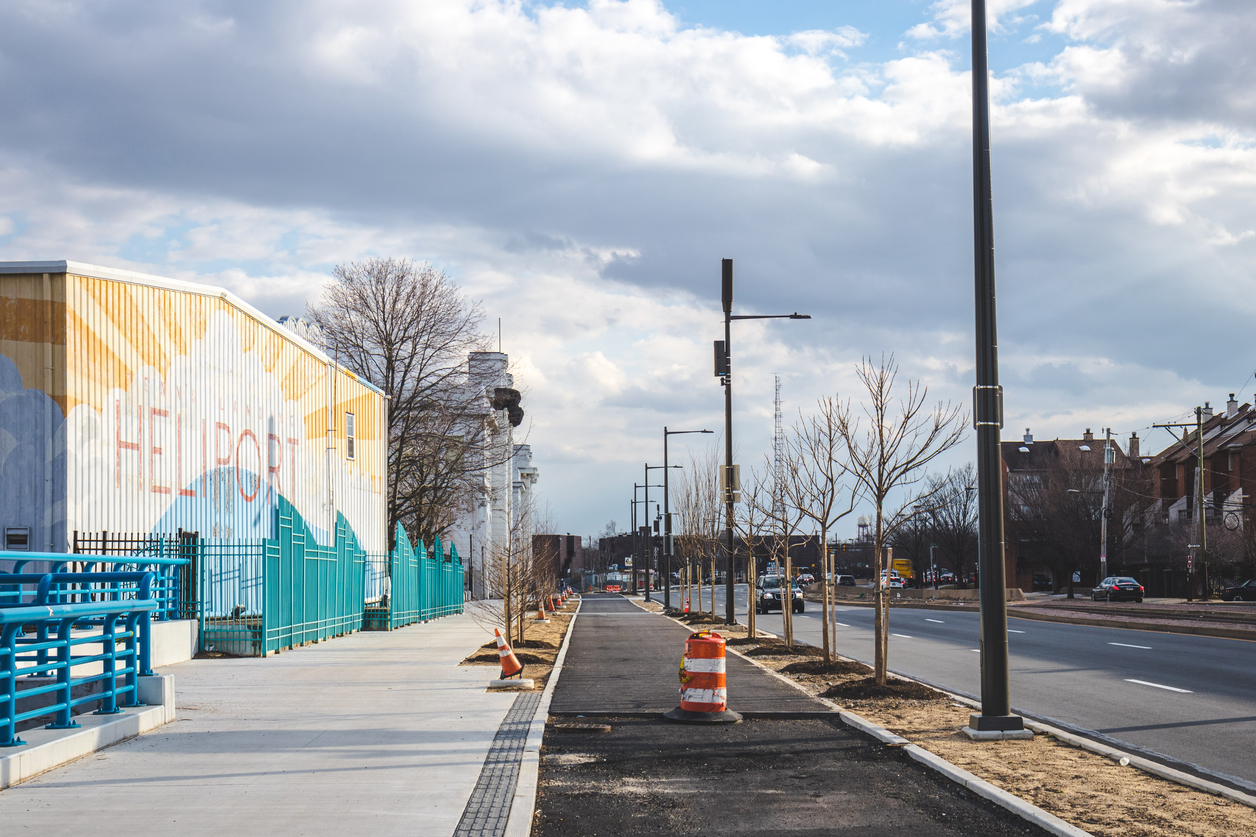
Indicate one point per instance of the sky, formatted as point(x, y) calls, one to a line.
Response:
point(581, 169)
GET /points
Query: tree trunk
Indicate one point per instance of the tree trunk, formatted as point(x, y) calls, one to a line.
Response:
point(824, 584)
point(751, 601)
point(712, 586)
point(881, 636)
point(787, 601)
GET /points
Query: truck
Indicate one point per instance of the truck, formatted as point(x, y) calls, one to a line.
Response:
point(905, 571)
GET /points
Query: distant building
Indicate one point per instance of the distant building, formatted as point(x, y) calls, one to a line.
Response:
point(505, 475)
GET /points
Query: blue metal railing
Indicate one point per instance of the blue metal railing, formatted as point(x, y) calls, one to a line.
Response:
point(166, 586)
point(48, 651)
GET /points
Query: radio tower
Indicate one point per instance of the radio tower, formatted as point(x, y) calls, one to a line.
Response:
point(778, 459)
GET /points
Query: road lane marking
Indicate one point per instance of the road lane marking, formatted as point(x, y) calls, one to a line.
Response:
point(939, 621)
point(843, 624)
point(1125, 645)
point(1012, 631)
point(1158, 686)
point(978, 650)
point(904, 636)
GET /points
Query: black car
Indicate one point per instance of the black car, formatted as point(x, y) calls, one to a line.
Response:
point(1117, 587)
point(769, 595)
point(1245, 592)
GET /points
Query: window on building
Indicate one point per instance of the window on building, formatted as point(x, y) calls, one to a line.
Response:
point(17, 537)
point(349, 435)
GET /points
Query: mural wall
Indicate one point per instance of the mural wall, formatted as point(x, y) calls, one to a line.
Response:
point(184, 408)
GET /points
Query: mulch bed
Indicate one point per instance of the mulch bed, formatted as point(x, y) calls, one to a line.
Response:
point(867, 689)
point(821, 668)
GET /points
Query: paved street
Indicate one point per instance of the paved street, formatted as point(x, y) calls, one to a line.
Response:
point(1191, 698)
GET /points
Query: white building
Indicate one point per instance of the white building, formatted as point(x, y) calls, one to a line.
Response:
point(507, 475)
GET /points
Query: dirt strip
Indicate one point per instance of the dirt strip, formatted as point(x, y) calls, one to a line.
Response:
point(1090, 791)
point(538, 650)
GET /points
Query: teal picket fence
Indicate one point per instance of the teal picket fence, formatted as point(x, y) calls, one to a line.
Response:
point(421, 586)
point(260, 597)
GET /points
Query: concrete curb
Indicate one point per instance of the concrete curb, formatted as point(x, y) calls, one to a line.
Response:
point(1024, 810)
point(48, 749)
point(523, 806)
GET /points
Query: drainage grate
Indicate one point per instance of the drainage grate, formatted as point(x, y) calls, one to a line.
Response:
point(489, 806)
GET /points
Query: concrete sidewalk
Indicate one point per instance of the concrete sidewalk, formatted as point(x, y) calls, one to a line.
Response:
point(625, 660)
point(373, 733)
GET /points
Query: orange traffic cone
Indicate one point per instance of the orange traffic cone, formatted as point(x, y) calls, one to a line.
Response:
point(540, 613)
point(686, 604)
point(510, 663)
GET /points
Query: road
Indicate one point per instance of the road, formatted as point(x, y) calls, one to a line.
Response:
point(1191, 698)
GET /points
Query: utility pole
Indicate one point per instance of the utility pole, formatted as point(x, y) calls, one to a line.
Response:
point(724, 371)
point(1108, 458)
point(996, 712)
point(1203, 529)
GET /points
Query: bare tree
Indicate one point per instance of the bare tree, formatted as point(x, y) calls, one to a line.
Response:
point(814, 485)
point(749, 521)
point(902, 437)
point(948, 508)
point(698, 514)
point(785, 517)
point(521, 571)
point(406, 328)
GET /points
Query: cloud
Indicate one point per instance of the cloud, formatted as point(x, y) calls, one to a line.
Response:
point(583, 169)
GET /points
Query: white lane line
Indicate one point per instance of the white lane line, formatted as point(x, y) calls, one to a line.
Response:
point(1158, 686)
point(977, 650)
point(939, 621)
point(904, 636)
point(841, 624)
point(1125, 645)
point(1011, 631)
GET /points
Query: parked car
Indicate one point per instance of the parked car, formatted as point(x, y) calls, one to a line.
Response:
point(770, 595)
point(846, 580)
point(1117, 587)
point(1245, 592)
point(806, 578)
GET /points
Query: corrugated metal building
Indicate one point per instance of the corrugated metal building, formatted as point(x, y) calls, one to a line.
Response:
point(134, 403)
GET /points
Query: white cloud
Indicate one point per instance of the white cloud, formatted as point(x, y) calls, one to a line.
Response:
point(583, 169)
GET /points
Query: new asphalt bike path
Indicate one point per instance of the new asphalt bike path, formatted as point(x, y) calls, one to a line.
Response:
point(611, 764)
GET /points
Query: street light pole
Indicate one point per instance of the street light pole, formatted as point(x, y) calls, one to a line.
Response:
point(1108, 458)
point(724, 370)
point(996, 712)
point(649, 538)
point(667, 520)
point(636, 533)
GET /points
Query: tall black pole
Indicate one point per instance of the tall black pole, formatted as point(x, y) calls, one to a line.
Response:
point(635, 536)
point(996, 712)
point(667, 536)
point(726, 293)
point(649, 544)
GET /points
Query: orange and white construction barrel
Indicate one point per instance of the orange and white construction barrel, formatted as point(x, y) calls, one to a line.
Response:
point(703, 683)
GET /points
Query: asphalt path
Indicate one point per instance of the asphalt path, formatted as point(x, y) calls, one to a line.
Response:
point(1191, 698)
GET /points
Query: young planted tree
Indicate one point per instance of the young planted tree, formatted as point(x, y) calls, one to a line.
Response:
point(784, 517)
point(903, 434)
point(814, 485)
point(698, 516)
point(749, 521)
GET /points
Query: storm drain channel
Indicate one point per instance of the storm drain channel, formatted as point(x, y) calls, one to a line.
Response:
point(489, 806)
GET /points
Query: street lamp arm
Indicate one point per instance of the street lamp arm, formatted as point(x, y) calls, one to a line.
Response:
point(794, 316)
